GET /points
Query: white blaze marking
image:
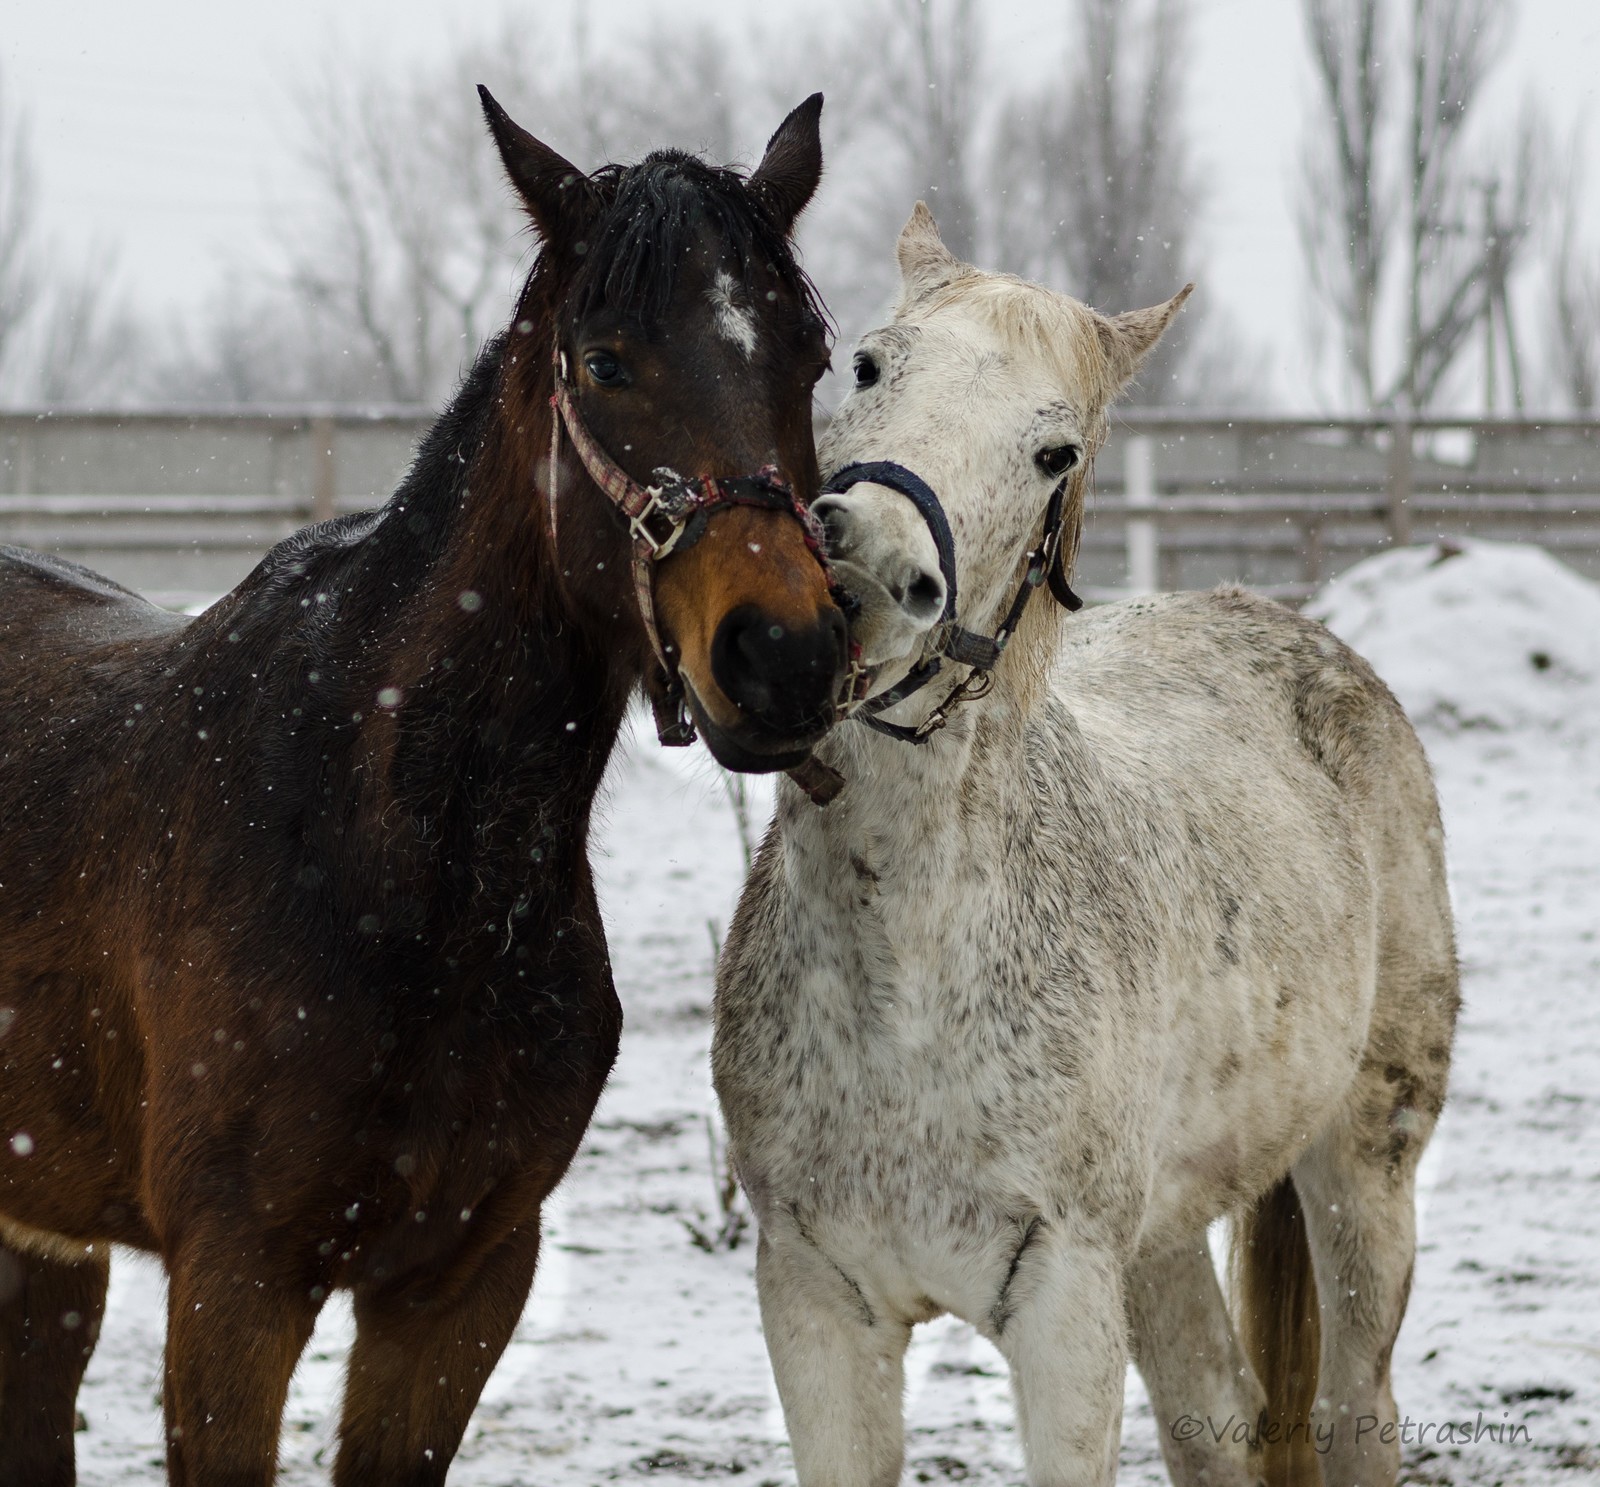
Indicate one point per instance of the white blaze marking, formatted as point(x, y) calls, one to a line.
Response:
point(734, 323)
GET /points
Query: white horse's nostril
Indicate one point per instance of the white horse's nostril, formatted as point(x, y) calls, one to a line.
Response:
point(834, 514)
point(919, 593)
point(925, 596)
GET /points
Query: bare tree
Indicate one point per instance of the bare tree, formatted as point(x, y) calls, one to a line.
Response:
point(65, 334)
point(257, 339)
point(1346, 208)
point(411, 233)
point(1096, 186)
point(1576, 330)
point(674, 86)
point(906, 115)
point(1573, 304)
point(88, 346)
point(415, 239)
point(1092, 190)
point(1576, 327)
point(18, 203)
point(1402, 209)
point(935, 58)
point(1454, 260)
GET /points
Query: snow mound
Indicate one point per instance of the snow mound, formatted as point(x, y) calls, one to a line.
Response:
point(1476, 635)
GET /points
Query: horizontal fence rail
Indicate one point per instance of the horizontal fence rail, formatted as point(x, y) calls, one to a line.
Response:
point(1186, 500)
point(181, 504)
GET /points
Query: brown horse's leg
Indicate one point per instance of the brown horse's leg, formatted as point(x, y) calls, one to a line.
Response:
point(233, 1339)
point(419, 1365)
point(50, 1313)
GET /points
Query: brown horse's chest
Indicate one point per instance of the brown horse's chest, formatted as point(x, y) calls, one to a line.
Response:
point(377, 1116)
point(470, 1150)
point(70, 1070)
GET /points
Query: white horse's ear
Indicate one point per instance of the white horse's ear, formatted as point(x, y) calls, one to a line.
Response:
point(925, 263)
point(1130, 337)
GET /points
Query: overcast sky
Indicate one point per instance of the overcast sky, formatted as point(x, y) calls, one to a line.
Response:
point(164, 128)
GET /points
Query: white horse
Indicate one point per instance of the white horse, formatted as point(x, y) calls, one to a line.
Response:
point(1155, 931)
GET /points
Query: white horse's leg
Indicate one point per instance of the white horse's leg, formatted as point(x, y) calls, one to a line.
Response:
point(1357, 1194)
point(1061, 1325)
point(838, 1364)
point(1206, 1399)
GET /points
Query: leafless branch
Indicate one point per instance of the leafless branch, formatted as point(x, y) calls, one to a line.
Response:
point(1345, 217)
point(19, 276)
point(1572, 309)
point(88, 343)
point(1397, 192)
point(1094, 191)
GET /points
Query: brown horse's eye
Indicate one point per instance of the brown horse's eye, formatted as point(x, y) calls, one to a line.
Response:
point(1057, 459)
point(604, 369)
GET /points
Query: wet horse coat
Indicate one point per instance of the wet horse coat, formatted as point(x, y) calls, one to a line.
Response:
point(1155, 932)
point(303, 984)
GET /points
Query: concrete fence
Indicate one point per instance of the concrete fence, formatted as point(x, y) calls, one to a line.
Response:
point(1187, 500)
point(180, 505)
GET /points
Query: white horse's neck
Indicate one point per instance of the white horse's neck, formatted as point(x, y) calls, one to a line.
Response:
point(912, 804)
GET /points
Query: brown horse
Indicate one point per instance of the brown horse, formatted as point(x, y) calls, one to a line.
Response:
point(302, 980)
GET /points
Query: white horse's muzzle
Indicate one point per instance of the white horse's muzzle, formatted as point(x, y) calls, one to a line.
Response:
point(884, 557)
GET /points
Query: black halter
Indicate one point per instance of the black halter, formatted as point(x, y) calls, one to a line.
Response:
point(981, 653)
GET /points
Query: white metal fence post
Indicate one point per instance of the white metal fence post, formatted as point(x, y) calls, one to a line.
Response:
point(1139, 456)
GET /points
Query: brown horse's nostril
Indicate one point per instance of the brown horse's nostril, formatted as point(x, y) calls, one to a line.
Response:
point(783, 677)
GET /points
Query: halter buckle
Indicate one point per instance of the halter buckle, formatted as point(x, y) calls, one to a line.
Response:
point(673, 506)
point(674, 727)
point(643, 535)
point(853, 689)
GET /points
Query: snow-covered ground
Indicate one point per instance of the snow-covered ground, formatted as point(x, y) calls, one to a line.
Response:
point(640, 1357)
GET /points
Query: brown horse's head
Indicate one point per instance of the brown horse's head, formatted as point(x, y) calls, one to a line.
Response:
point(691, 342)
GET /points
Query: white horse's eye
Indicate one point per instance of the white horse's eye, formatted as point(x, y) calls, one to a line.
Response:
point(1057, 459)
point(866, 369)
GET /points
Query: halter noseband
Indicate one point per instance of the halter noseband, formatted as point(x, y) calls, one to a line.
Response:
point(948, 639)
point(666, 517)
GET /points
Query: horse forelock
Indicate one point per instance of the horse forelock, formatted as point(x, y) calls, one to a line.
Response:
point(653, 219)
point(1037, 324)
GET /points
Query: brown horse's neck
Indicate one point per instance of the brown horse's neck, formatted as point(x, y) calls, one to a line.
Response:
point(484, 506)
point(435, 699)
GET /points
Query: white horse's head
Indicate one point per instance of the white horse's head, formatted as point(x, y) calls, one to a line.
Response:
point(991, 389)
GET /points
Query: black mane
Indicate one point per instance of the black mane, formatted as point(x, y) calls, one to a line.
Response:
point(399, 540)
point(653, 212)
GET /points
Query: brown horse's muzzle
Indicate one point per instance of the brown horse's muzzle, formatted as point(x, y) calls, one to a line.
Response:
point(784, 682)
point(783, 679)
point(761, 645)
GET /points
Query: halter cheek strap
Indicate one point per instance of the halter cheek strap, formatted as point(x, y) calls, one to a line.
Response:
point(949, 640)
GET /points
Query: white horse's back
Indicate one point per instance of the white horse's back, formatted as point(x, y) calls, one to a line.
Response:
point(1293, 831)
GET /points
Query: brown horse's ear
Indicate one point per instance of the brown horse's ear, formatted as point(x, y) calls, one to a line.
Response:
point(925, 263)
point(1127, 339)
point(558, 196)
point(789, 171)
